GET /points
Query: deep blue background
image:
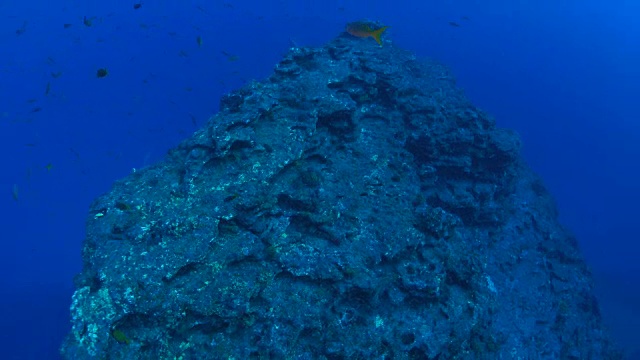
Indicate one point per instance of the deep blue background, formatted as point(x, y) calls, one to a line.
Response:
point(566, 77)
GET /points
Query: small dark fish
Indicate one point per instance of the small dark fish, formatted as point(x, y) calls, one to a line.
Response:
point(199, 40)
point(102, 72)
point(48, 89)
point(230, 57)
point(137, 6)
point(76, 153)
point(465, 18)
point(21, 30)
point(120, 337)
point(87, 21)
point(56, 75)
point(201, 9)
point(15, 192)
point(36, 109)
point(454, 24)
point(66, 26)
point(194, 120)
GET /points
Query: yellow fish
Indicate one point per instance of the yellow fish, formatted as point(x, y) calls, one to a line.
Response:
point(364, 29)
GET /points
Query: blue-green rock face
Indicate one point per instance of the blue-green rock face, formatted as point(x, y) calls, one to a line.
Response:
point(354, 205)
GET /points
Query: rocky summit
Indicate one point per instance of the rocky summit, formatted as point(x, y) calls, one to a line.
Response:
point(354, 205)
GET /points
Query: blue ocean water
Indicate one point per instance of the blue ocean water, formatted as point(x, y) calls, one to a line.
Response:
point(564, 76)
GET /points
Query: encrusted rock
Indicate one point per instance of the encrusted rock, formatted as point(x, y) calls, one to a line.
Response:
point(352, 206)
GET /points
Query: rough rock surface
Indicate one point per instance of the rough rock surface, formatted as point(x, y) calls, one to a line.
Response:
point(354, 205)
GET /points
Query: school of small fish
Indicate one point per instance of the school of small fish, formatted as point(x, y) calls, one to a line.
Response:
point(361, 29)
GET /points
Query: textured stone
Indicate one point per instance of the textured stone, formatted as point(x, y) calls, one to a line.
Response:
point(354, 205)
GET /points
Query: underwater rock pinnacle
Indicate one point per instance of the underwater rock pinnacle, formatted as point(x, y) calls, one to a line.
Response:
point(354, 205)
